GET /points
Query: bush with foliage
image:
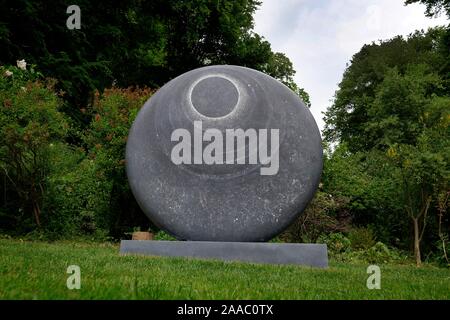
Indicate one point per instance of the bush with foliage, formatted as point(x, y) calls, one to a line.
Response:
point(68, 190)
point(361, 238)
point(341, 248)
point(336, 242)
point(440, 256)
point(77, 198)
point(30, 123)
point(372, 186)
point(163, 236)
point(105, 139)
point(380, 253)
point(325, 214)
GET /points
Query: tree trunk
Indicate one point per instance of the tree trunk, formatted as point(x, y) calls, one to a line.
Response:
point(442, 208)
point(35, 204)
point(36, 212)
point(417, 242)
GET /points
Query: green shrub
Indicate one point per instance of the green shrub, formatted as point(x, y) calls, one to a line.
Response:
point(361, 238)
point(380, 253)
point(87, 193)
point(340, 248)
point(113, 113)
point(162, 235)
point(323, 215)
point(77, 196)
point(336, 243)
point(439, 257)
point(29, 124)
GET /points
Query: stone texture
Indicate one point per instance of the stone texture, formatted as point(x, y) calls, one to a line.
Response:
point(223, 202)
point(313, 255)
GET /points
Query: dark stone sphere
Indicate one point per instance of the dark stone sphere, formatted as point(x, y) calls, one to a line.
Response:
point(241, 194)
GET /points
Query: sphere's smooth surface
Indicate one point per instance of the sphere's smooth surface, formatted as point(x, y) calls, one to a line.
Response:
point(223, 202)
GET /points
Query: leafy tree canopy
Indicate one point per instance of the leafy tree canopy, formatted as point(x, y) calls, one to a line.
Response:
point(434, 7)
point(385, 90)
point(134, 42)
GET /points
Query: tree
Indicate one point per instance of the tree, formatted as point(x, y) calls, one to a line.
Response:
point(424, 173)
point(372, 186)
point(348, 118)
point(442, 206)
point(391, 111)
point(434, 7)
point(394, 117)
point(280, 67)
point(133, 42)
point(401, 114)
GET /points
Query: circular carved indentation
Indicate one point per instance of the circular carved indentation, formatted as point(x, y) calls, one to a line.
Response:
point(214, 97)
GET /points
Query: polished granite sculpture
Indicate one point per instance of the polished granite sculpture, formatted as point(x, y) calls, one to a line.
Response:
point(224, 153)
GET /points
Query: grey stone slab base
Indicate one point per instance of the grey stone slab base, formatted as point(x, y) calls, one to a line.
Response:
point(313, 255)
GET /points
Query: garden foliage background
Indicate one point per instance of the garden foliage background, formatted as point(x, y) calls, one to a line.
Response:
point(68, 98)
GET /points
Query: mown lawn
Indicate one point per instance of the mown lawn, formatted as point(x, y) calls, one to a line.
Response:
point(37, 270)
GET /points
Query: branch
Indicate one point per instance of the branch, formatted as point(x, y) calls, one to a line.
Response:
point(425, 212)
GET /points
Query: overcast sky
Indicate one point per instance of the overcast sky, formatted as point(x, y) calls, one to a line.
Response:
point(321, 36)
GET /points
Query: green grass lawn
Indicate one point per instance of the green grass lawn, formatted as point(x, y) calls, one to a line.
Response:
point(37, 270)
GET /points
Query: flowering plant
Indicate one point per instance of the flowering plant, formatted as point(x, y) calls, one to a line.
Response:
point(19, 72)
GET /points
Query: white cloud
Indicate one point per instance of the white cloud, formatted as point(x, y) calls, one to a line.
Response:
point(321, 36)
